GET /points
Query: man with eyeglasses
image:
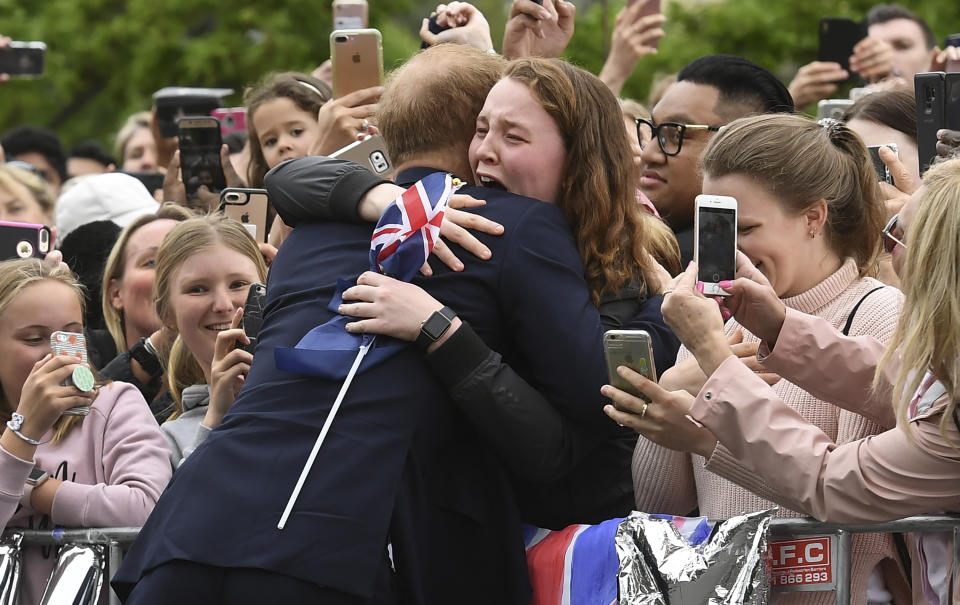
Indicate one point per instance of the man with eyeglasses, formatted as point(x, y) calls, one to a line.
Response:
point(709, 93)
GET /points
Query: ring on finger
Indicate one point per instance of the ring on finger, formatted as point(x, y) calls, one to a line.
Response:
point(643, 410)
point(364, 125)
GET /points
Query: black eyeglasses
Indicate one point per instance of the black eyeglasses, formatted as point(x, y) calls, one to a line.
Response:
point(669, 134)
point(893, 234)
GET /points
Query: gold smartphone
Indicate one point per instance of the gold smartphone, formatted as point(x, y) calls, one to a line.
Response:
point(357, 57)
point(631, 348)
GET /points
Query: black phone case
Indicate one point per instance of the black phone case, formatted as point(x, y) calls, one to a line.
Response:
point(837, 38)
point(21, 242)
point(253, 314)
point(929, 90)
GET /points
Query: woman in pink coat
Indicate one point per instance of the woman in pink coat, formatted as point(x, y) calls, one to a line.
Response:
point(749, 436)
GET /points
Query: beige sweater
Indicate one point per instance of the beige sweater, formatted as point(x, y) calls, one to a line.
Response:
point(675, 483)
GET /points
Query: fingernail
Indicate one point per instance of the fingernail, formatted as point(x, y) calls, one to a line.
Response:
point(689, 264)
point(544, 13)
point(459, 267)
point(725, 314)
point(485, 253)
point(605, 390)
point(700, 287)
point(725, 283)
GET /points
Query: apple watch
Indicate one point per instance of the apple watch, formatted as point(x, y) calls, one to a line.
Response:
point(434, 327)
point(35, 479)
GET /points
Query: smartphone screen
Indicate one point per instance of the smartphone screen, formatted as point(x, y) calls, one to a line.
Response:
point(200, 143)
point(716, 235)
point(349, 14)
point(357, 57)
point(23, 59)
point(630, 348)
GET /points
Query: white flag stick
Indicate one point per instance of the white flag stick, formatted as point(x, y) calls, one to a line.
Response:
point(323, 432)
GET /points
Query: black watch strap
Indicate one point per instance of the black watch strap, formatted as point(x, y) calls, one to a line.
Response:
point(434, 327)
point(147, 360)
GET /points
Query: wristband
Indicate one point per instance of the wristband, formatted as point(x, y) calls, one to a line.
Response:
point(146, 355)
point(434, 327)
point(14, 424)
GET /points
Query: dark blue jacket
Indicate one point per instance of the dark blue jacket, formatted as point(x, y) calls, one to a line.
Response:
point(400, 462)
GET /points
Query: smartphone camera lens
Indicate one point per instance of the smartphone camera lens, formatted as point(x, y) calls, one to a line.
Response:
point(341, 39)
point(44, 241)
point(715, 277)
point(233, 198)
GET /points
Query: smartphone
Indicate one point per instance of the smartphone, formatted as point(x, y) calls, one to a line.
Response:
point(23, 59)
point(253, 314)
point(651, 7)
point(434, 28)
point(73, 344)
point(631, 348)
point(833, 108)
point(248, 206)
point(175, 102)
point(349, 14)
point(371, 152)
point(715, 241)
point(200, 142)
point(937, 97)
point(883, 173)
point(953, 65)
point(838, 36)
point(24, 240)
point(232, 119)
point(151, 180)
point(357, 57)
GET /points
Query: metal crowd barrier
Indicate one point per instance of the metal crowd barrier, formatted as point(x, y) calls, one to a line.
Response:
point(787, 529)
point(113, 538)
point(781, 531)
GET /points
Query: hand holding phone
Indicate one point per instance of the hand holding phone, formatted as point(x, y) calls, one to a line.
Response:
point(715, 241)
point(883, 173)
point(633, 349)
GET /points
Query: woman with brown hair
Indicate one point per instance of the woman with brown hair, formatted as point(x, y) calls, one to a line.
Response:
point(553, 132)
point(809, 219)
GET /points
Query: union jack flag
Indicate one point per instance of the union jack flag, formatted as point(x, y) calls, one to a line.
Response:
point(410, 226)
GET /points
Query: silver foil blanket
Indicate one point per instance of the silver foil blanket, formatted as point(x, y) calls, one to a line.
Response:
point(659, 567)
point(77, 577)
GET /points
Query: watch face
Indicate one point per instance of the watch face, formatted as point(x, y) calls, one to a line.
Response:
point(36, 475)
point(436, 325)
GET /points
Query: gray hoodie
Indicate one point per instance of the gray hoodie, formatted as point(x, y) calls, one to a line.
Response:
point(186, 432)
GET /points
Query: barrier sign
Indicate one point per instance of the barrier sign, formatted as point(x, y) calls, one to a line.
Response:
point(803, 564)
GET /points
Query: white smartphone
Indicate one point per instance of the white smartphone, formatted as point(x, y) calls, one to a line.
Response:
point(715, 241)
point(631, 348)
point(832, 108)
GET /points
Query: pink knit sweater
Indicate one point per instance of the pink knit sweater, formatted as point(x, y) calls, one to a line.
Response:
point(675, 483)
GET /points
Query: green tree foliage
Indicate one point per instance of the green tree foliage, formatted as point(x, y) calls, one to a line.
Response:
point(781, 36)
point(106, 57)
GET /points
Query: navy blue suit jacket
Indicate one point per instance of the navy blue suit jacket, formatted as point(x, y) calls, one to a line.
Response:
point(400, 463)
